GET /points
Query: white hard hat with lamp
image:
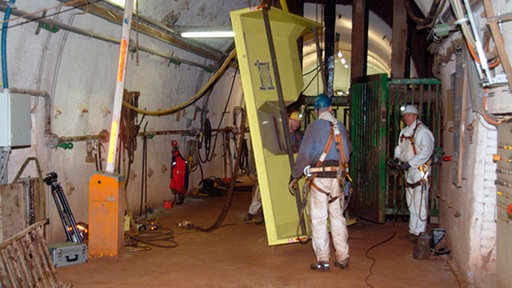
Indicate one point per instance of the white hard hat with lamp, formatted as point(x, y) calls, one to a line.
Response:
point(409, 109)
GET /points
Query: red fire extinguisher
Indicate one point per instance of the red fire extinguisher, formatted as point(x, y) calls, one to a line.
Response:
point(179, 174)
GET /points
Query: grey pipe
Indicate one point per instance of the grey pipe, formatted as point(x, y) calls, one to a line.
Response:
point(50, 138)
point(90, 34)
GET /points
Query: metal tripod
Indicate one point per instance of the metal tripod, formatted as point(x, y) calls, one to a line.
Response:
point(72, 232)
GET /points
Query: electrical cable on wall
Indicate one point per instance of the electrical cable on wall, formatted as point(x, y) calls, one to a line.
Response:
point(206, 140)
point(230, 191)
point(191, 100)
point(5, 24)
point(207, 131)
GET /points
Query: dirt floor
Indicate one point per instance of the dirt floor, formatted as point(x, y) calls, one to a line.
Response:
point(237, 255)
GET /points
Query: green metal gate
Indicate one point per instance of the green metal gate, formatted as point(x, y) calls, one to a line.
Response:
point(375, 125)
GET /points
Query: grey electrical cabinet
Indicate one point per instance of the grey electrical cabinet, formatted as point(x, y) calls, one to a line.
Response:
point(15, 123)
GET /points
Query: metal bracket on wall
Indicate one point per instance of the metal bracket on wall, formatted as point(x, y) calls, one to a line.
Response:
point(4, 158)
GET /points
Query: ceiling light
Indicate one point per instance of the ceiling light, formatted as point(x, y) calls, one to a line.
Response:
point(208, 34)
point(120, 3)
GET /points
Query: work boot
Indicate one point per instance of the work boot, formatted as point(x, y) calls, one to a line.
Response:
point(259, 220)
point(321, 266)
point(248, 217)
point(342, 264)
point(181, 199)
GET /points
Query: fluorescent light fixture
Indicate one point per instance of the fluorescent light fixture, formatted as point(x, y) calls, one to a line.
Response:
point(120, 3)
point(208, 34)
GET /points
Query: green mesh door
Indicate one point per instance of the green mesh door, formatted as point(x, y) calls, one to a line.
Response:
point(368, 130)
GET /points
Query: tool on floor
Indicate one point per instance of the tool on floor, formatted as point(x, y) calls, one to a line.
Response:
point(74, 251)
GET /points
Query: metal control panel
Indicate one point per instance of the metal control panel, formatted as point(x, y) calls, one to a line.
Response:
point(504, 173)
point(504, 204)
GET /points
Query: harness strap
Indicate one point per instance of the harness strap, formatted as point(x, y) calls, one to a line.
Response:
point(411, 138)
point(339, 146)
point(331, 199)
point(415, 184)
point(341, 158)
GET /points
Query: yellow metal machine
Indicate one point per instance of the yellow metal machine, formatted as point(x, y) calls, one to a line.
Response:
point(106, 215)
point(266, 42)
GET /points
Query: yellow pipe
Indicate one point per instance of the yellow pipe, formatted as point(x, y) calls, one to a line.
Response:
point(189, 101)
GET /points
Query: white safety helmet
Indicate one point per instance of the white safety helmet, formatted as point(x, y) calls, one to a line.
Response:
point(409, 109)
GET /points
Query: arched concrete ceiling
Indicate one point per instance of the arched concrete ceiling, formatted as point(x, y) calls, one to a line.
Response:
point(379, 34)
point(174, 17)
point(379, 46)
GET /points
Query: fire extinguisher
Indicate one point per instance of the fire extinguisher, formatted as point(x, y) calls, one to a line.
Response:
point(179, 174)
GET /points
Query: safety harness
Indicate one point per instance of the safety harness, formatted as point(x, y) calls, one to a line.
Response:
point(424, 167)
point(341, 169)
point(411, 138)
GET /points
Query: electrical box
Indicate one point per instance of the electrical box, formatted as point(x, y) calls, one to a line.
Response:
point(499, 100)
point(15, 122)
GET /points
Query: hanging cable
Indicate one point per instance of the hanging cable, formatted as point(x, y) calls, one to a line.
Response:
point(318, 71)
point(7, 15)
point(191, 100)
point(230, 190)
point(207, 132)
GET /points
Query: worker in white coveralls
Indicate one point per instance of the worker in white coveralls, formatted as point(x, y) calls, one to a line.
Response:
point(413, 155)
point(324, 154)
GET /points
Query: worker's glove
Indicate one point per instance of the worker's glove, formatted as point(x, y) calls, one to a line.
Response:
point(292, 186)
point(394, 163)
point(404, 166)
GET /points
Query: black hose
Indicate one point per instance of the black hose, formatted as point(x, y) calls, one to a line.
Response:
point(155, 237)
point(207, 125)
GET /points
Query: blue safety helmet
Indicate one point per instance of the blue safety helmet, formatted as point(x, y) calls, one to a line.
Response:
point(322, 101)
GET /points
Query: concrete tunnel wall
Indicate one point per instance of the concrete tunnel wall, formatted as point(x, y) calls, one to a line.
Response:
point(79, 74)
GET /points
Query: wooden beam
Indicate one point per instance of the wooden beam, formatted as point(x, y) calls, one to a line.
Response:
point(399, 39)
point(359, 39)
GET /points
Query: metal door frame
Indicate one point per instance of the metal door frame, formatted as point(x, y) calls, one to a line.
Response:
point(378, 190)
